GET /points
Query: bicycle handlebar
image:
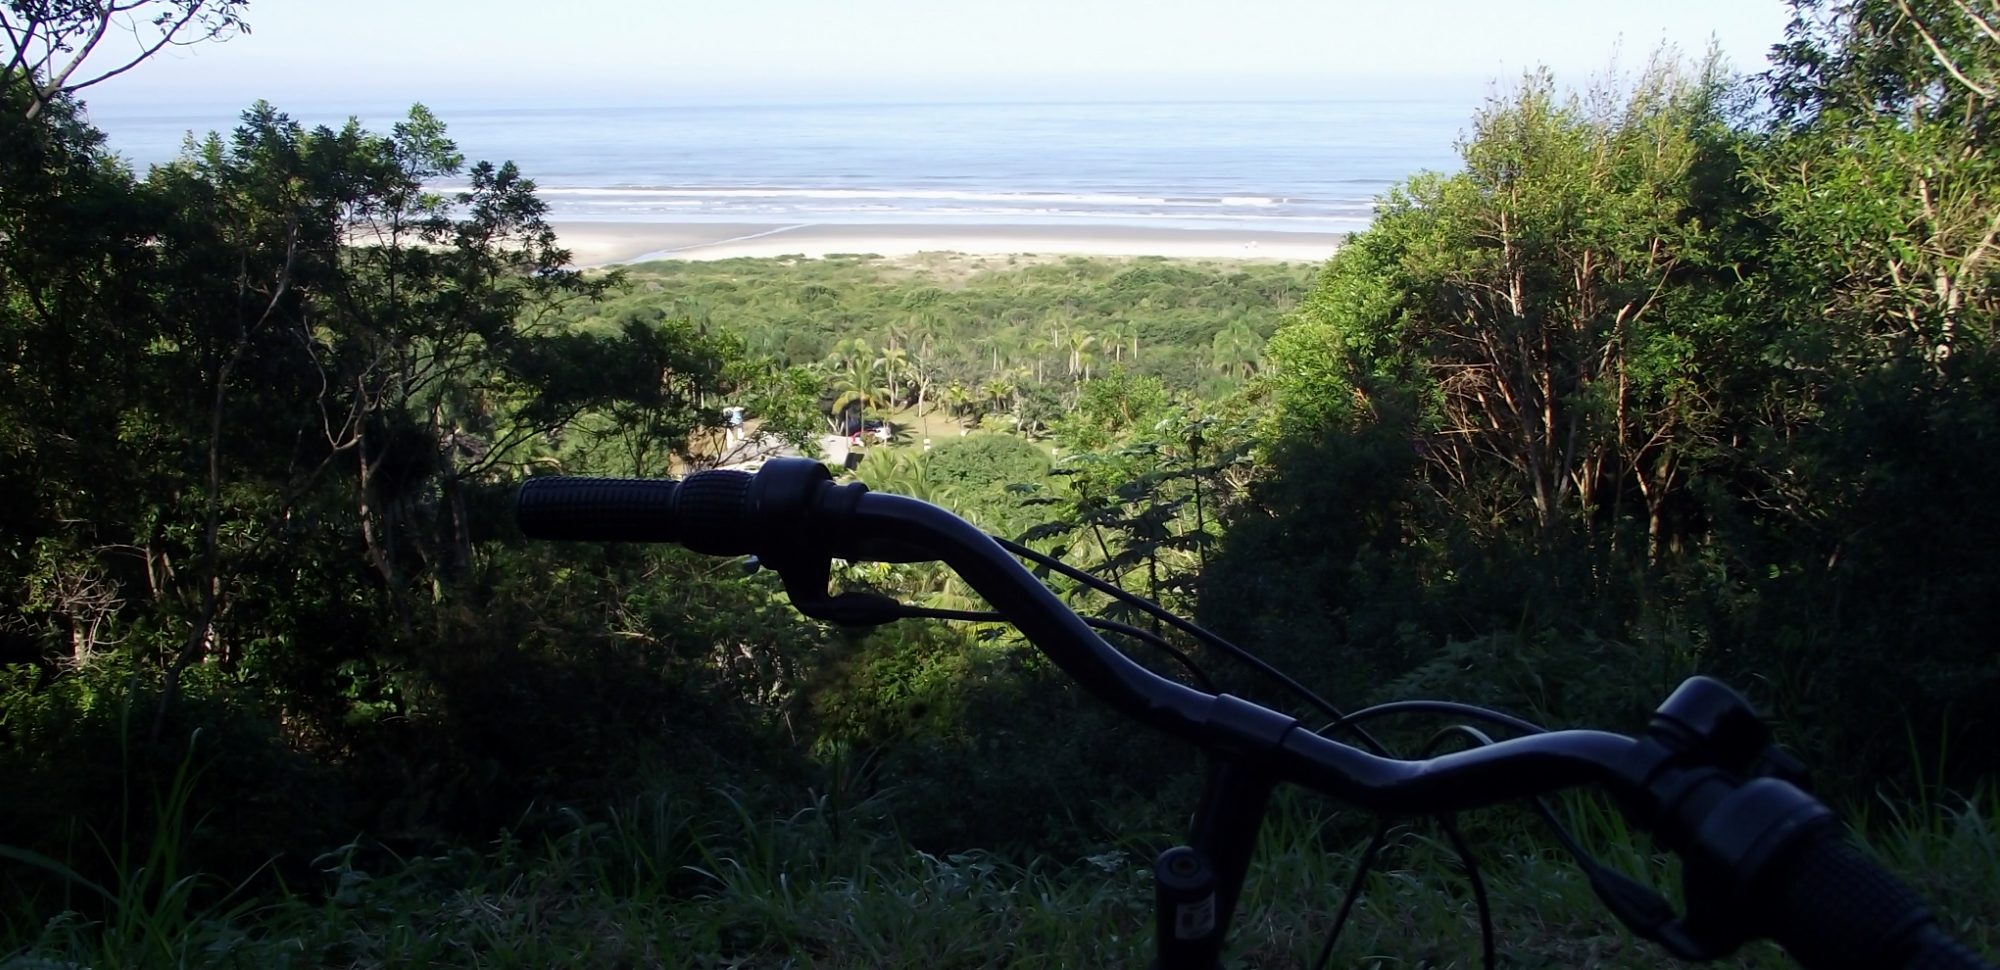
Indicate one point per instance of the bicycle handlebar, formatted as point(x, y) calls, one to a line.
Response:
point(1831, 907)
point(1764, 855)
point(735, 513)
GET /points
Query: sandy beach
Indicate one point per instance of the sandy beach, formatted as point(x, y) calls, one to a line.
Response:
point(609, 243)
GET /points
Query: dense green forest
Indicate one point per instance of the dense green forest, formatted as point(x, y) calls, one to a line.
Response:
point(1681, 373)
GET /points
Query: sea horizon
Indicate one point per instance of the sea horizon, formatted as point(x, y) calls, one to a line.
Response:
point(1308, 165)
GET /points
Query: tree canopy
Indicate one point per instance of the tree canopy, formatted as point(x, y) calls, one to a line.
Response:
point(60, 47)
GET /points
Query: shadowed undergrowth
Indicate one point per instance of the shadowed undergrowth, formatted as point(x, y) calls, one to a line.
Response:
point(664, 881)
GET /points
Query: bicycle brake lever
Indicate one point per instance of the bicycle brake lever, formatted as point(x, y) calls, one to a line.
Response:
point(1647, 913)
point(1703, 743)
point(1785, 766)
point(856, 609)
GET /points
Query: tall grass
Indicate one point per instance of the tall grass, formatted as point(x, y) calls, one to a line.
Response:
point(669, 880)
point(152, 912)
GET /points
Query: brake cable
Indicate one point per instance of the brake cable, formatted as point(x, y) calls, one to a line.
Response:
point(1593, 869)
point(1192, 629)
point(1449, 822)
point(1152, 639)
point(1348, 722)
point(1361, 869)
point(1768, 857)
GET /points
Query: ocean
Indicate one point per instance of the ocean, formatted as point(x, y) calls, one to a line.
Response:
point(1308, 166)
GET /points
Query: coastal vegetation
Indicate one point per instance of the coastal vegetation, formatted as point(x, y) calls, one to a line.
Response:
point(1683, 373)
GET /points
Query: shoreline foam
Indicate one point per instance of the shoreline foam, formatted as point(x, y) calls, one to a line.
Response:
point(595, 244)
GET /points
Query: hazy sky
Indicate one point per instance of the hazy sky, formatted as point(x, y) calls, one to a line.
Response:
point(666, 51)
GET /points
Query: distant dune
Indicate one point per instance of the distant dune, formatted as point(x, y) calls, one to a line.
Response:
point(608, 243)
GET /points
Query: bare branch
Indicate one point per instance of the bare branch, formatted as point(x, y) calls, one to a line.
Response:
point(1984, 26)
point(1942, 57)
point(51, 49)
point(1979, 252)
point(148, 52)
point(18, 40)
point(55, 83)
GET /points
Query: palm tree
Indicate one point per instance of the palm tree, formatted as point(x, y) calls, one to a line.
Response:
point(1061, 321)
point(921, 374)
point(894, 365)
point(999, 392)
point(904, 473)
point(1021, 387)
point(1078, 344)
point(850, 356)
point(898, 335)
point(1117, 335)
point(854, 395)
point(1038, 346)
point(957, 399)
point(925, 326)
point(1236, 349)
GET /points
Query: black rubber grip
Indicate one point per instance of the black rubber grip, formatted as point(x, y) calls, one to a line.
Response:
point(1831, 908)
point(712, 513)
point(708, 512)
point(598, 509)
point(1940, 952)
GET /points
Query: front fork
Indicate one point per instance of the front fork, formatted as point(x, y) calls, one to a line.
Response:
point(1196, 886)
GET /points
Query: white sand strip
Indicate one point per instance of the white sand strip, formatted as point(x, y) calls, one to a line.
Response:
point(603, 243)
point(607, 243)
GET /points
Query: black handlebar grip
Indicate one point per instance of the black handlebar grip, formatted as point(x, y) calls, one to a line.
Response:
point(1830, 907)
point(1940, 952)
point(692, 512)
point(713, 513)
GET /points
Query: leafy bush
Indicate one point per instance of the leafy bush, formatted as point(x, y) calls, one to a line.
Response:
point(978, 470)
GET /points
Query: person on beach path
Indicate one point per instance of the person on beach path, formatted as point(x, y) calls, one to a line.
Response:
point(732, 424)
